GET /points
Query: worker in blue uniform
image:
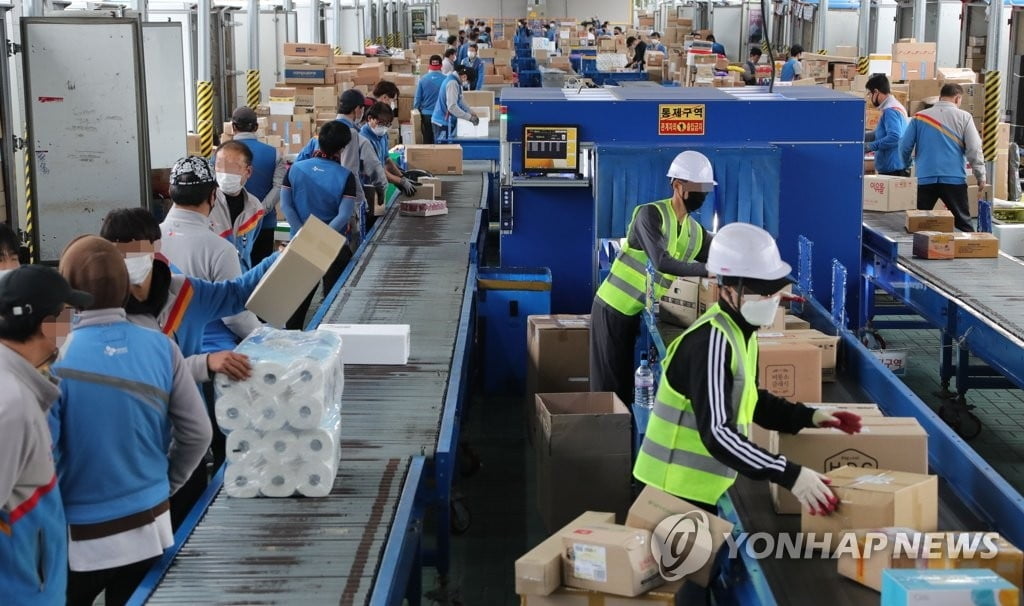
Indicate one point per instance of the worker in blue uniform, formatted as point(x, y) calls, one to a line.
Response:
point(426, 97)
point(128, 429)
point(378, 122)
point(793, 68)
point(268, 170)
point(321, 187)
point(451, 106)
point(33, 529)
point(943, 136)
point(551, 31)
point(464, 49)
point(476, 64)
point(656, 44)
point(884, 141)
point(665, 234)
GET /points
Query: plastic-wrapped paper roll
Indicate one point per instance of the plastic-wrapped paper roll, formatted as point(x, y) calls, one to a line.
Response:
point(316, 478)
point(267, 413)
point(304, 412)
point(242, 480)
point(243, 445)
point(279, 446)
point(305, 378)
point(318, 445)
point(224, 384)
point(268, 378)
point(278, 480)
point(233, 410)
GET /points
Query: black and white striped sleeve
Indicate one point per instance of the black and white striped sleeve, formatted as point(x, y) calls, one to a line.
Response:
point(703, 374)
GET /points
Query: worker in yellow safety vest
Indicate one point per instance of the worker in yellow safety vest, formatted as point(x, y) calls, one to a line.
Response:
point(697, 438)
point(665, 233)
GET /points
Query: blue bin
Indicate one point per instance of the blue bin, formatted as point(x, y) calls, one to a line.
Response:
point(506, 296)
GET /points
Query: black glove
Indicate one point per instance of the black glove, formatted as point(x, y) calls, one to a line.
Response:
point(407, 187)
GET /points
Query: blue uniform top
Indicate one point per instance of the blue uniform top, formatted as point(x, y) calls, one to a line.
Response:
point(441, 117)
point(322, 188)
point(380, 143)
point(264, 164)
point(426, 92)
point(477, 64)
point(717, 48)
point(789, 70)
point(887, 137)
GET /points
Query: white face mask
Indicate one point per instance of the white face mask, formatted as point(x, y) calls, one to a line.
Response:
point(471, 54)
point(759, 311)
point(139, 268)
point(229, 183)
point(394, 105)
point(379, 130)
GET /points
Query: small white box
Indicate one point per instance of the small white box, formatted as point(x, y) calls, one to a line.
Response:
point(466, 129)
point(1011, 238)
point(377, 344)
point(407, 133)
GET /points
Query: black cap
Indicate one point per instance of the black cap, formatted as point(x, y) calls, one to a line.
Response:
point(244, 115)
point(350, 100)
point(462, 70)
point(36, 292)
point(192, 170)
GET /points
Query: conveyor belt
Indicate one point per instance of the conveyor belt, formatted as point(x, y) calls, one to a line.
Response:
point(990, 287)
point(814, 582)
point(327, 551)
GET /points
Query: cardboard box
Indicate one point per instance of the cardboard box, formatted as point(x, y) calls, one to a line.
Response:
point(539, 571)
point(904, 548)
point(653, 506)
point(933, 245)
point(795, 323)
point(929, 220)
point(889, 194)
point(295, 272)
point(405, 108)
point(423, 208)
point(495, 79)
point(956, 75)
point(669, 594)
point(373, 344)
point(479, 98)
point(306, 49)
point(871, 118)
point(977, 245)
point(305, 60)
point(828, 345)
point(437, 159)
point(433, 182)
point(897, 443)
point(584, 456)
point(790, 370)
point(913, 61)
point(554, 363)
point(325, 97)
point(973, 100)
point(946, 588)
point(678, 305)
point(877, 498)
point(304, 76)
point(610, 558)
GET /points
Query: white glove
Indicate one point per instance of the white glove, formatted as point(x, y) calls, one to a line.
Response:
point(811, 489)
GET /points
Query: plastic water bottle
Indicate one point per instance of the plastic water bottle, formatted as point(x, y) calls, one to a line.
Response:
point(643, 385)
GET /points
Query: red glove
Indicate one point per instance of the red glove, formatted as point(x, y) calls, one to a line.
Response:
point(842, 420)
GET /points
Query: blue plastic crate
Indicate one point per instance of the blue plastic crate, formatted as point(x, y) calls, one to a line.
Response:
point(506, 296)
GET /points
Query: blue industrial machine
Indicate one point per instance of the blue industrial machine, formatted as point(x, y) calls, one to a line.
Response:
point(775, 166)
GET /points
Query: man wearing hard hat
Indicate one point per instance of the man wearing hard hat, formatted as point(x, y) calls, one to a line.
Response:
point(697, 437)
point(664, 233)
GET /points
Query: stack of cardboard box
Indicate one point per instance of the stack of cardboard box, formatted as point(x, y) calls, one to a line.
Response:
point(974, 53)
point(306, 64)
point(889, 194)
point(913, 61)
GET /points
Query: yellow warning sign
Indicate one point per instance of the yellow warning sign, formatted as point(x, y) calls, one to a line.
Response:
point(685, 119)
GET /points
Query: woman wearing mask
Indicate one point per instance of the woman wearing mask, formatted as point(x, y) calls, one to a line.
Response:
point(378, 121)
point(661, 233)
point(476, 66)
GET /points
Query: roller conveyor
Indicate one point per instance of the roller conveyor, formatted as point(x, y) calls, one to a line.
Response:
point(329, 551)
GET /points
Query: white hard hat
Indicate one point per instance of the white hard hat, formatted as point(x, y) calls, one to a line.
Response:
point(694, 167)
point(743, 250)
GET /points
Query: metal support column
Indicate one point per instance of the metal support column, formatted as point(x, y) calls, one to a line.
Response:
point(920, 18)
point(142, 7)
point(9, 141)
point(336, 10)
point(314, 21)
point(821, 32)
point(204, 86)
point(33, 8)
point(863, 27)
point(252, 76)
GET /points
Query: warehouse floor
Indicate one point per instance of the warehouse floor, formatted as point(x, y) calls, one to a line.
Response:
point(500, 496)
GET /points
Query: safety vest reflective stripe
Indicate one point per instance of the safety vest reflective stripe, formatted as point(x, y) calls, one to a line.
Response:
point(685, 458)
point(630, 267)
point(673, 456)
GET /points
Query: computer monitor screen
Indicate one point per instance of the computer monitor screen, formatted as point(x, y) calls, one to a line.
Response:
point(551, 149)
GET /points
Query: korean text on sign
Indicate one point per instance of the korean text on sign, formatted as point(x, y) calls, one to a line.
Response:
point(687, 119)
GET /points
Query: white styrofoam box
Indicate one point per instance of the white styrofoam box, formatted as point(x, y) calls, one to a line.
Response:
point(879, 64)
point(465, 128)
point(377, 344)
point(542, 44)
point(282, 108)
point(609, 62)
point(1011, 238)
